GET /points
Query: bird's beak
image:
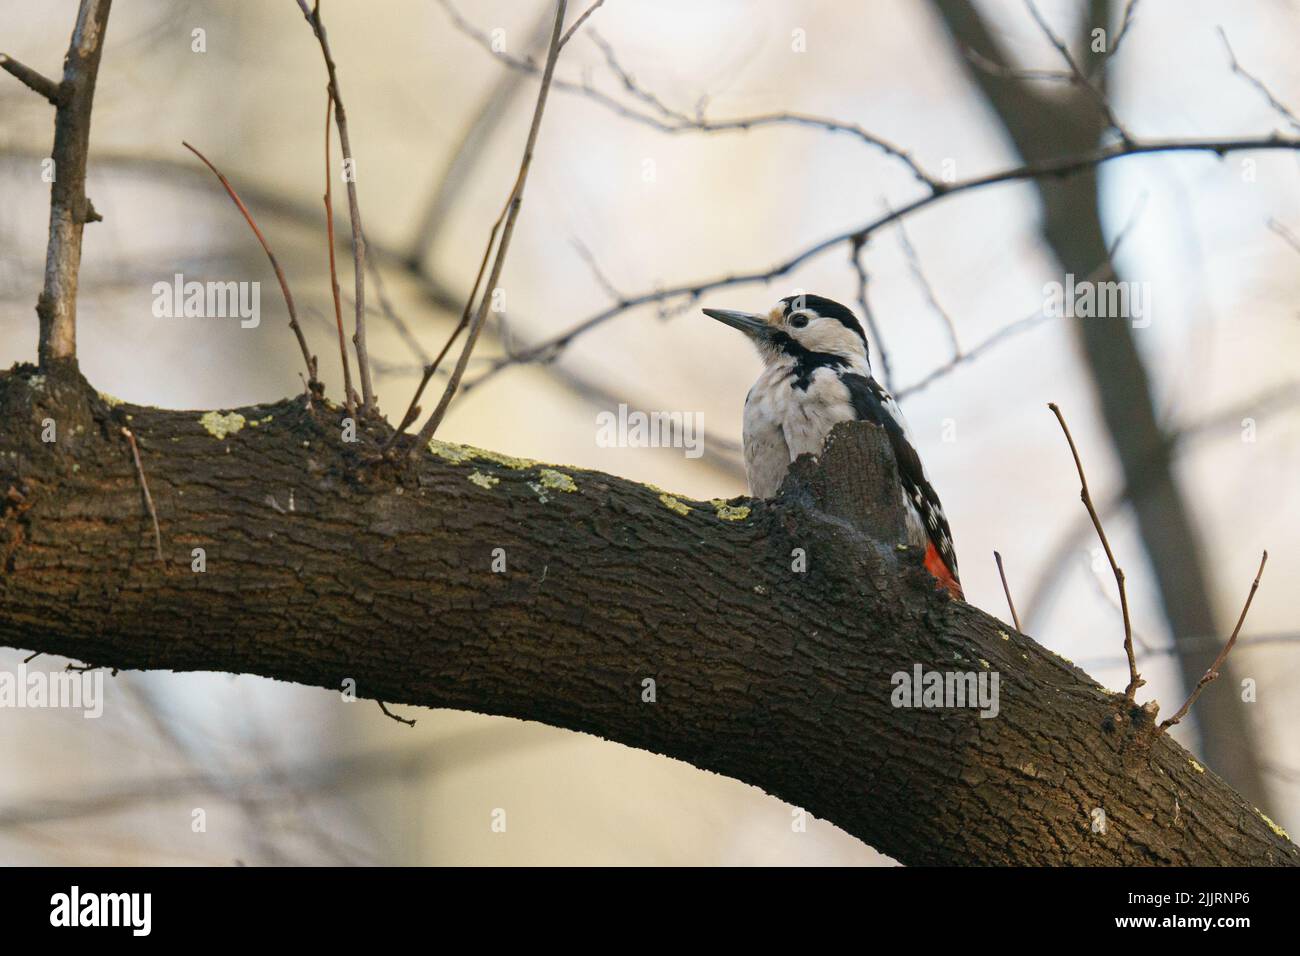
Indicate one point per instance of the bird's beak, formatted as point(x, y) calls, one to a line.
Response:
point(748, 322)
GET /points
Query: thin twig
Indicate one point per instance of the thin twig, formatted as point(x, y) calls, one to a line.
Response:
point(1271, 401)
point(31, 79)
point(1102, 272)
point(1135, 681)
point(1257, 83)
point(577, 24)
point(354, 208)
point(1007, 591)
point(1213, 673)
point(312, 382)
point(589, 257)
point(667, 120)
point(409, 721)
point(994, 68)
point(1289, 237)
point(856, 250)
point(148, 498)
point(334, 272)
point(1080, 76)
point(918, 273)
point(512, 216)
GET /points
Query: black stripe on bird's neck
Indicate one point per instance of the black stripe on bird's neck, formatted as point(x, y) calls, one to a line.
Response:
point(806, 361)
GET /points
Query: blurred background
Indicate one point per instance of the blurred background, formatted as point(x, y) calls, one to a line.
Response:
point(631, 194)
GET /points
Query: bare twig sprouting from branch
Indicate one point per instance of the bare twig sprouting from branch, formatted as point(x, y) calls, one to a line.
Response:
point(70, 210)
point(1271, 401)
point(1213, 673)
point(354, 208)
point(144, 493)
point(313, 383)
point(1007, 590)
point(1135, 681)
point(31, 79)
point(577, 24)
point(507, 231)
point(409, 721)
point(1257, 83)
point(334, 272)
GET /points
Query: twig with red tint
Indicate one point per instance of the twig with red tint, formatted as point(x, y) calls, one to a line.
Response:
point(313, 383)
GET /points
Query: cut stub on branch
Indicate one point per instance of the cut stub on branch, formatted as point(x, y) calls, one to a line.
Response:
point(855, 480)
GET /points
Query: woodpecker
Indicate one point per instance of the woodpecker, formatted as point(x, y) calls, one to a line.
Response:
point(817, 372)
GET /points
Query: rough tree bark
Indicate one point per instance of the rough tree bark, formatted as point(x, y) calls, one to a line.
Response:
point(1053, 122)
point(325, 563)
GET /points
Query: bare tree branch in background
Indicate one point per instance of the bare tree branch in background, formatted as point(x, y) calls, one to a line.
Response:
point(1051, 170)
point(1236, 67)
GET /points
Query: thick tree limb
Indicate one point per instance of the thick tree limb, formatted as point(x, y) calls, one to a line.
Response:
point(382, 573)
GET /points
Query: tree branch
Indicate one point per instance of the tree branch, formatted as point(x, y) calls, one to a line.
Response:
point(354, 208)
point(383, 574)
point(1054, 168)
point(31, 79)
point(69, 209)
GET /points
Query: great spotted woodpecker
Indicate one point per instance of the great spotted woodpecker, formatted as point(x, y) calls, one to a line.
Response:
point(818, 374)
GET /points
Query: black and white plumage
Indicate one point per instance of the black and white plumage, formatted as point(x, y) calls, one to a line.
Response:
point(818, 373)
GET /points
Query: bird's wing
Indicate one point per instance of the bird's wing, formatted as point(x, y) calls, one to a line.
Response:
point(872, 403)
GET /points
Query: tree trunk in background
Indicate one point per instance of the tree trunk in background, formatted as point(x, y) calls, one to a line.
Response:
point(324, 565)
point(1061, 122)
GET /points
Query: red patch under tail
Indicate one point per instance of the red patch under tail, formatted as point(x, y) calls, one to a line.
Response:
point(934, 564)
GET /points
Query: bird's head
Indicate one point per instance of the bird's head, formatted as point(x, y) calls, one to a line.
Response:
point(800, 325)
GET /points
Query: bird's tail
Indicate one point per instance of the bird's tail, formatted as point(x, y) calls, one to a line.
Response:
point(947, 580)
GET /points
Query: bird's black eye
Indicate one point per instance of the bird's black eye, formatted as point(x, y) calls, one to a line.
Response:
point(799, 320)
